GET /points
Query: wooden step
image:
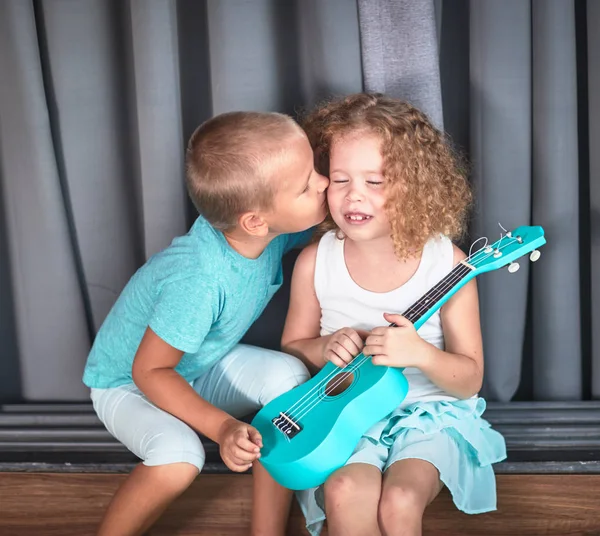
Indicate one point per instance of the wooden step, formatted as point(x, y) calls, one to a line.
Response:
point(219, 505)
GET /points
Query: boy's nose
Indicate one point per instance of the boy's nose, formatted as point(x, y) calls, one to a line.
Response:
point(323, 184)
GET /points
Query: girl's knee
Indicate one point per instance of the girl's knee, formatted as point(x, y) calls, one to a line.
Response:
point(340, 488)
point(400, 503)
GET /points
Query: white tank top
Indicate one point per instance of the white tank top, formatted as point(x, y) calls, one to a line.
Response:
point(345, 304)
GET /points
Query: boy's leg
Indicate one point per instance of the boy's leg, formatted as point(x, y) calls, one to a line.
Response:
point(248, 378)
point(270, 505)
point(172, 452)
point(143, 496)
point(244, 381)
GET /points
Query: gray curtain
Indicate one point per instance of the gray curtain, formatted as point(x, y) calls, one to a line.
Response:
point(528, 140)
point(98, 98)
point(515, 99)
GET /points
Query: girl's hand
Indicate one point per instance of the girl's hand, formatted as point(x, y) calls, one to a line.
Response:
point(399, 346)
point(239, 445)
point(343, 346)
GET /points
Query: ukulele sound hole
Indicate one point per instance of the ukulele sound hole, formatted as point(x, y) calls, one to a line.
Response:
point(339, 383)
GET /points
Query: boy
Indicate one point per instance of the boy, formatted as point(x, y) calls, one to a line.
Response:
point(166, 363)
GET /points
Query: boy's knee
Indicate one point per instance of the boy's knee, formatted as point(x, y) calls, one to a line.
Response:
point(172, 478)
point(180, 444)
point(284, 373)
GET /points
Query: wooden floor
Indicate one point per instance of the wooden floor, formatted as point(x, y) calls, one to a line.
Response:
point(219, 505)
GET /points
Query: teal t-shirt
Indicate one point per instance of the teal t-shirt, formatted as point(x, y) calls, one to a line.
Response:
point(198, 295)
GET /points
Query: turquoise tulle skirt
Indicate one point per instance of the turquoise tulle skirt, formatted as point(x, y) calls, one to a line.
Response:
point(452, 436)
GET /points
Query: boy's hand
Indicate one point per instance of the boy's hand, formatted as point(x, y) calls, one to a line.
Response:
point(239, 445)
point(398, 346)
point(343, 346)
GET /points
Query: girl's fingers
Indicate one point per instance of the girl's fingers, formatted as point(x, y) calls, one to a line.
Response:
point(373, 350)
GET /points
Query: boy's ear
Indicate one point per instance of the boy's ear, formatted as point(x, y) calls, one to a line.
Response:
point(253, 224)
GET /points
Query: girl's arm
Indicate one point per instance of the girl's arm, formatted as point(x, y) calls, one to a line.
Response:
point(302, 324)
point(459, 369)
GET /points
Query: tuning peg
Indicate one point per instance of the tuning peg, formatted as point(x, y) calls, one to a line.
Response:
point(535, 255)
point(513, 267)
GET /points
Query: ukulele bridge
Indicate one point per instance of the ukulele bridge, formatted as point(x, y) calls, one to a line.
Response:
point(286, 425)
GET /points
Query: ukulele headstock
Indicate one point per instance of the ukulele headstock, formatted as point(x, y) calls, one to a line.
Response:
point(512, 246)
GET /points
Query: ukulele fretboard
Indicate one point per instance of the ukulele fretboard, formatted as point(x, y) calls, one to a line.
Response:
point(429, 301)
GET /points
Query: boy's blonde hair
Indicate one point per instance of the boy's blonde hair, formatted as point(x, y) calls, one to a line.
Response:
point(231, 160)
point(426, 185)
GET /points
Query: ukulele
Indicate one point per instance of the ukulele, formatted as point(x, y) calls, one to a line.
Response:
point(312, 430)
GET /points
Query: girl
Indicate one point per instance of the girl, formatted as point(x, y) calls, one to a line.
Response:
point(397, 197)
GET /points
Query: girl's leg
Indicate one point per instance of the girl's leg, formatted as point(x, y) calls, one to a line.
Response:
point(172, 454)
point(409, 485)
point(351, 500)
point(241, 383)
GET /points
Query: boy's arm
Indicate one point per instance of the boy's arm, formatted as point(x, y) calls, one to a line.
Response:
point(154, 374)
point(302, 325)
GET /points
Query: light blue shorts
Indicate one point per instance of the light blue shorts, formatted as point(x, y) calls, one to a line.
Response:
point(242, 382)
point(452, 436)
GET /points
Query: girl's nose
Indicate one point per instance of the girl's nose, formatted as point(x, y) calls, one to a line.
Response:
point(354, 195)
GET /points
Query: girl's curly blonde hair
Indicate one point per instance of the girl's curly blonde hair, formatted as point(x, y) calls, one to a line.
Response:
point(425, 180)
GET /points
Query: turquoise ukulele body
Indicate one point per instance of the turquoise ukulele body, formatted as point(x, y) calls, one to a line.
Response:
point(333, 426)
point(312, 430)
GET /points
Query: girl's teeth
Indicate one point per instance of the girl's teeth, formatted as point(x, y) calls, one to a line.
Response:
point(358, 218)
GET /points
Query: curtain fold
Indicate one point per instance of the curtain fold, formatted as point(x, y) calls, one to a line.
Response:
point(155, 103)
point(48, 307)
point(500, 134)
point(400, 52)
point(593, 92)
point(555, 282)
